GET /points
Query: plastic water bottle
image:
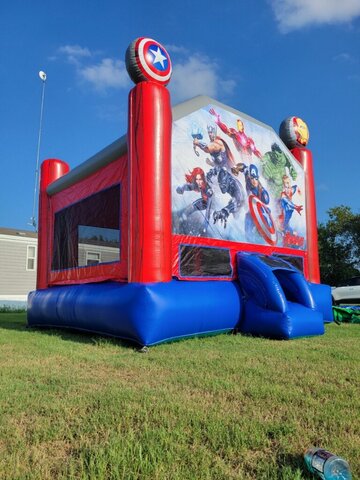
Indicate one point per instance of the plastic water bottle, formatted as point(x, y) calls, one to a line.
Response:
point(326, 465)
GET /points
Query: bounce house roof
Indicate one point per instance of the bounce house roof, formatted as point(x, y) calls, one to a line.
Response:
point(119, 146)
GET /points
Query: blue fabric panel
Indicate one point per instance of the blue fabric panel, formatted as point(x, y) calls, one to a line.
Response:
point(304, 321)
point(322, 298)
point(144, 313)
point(295, 287)
point(259, 283)
point(297, 321)
point(262, 322)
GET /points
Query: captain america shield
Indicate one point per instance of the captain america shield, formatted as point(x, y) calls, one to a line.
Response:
point(146, 59)
point(262, 218)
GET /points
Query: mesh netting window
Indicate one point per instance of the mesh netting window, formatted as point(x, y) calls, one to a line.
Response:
point(278, 261)
point(87, 229)
point(204, 262)
point(295, 261)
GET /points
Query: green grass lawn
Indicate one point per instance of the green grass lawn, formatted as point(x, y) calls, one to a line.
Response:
point(227, 407)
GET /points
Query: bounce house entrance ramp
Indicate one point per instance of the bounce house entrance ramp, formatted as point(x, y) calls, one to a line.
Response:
point(279, 302)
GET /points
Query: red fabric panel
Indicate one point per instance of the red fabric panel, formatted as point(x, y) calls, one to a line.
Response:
point(111, 174)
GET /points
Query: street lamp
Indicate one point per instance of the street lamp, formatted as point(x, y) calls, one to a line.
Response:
point(42, 76)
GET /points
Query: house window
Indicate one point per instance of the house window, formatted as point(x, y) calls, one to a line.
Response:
point(92, 258)
point(104, 244)
point(31, 258)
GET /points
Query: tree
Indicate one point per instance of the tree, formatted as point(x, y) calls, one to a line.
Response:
point(339, 246)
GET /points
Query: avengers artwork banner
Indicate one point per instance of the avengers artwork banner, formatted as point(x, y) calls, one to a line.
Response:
point(233, 179)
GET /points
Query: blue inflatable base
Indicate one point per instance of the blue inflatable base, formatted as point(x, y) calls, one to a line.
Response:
point(270, 299)
point(143, 313)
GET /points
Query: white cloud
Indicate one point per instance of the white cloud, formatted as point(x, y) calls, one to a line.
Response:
point(193, 74)
point(177, 49)
point(198, 76)
point(227, 86)
point(322, 187)
point(105, 74)
point(355, 77)
point(345, 57)
point(295, 14)
point(109, 73)
point(74, 53)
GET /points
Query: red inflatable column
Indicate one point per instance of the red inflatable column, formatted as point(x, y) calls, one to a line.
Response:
point(149, 160)
point(149, 140)
point(51, 170)
point(304, 156)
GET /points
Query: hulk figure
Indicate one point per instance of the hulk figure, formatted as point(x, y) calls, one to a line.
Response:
point(274, 165)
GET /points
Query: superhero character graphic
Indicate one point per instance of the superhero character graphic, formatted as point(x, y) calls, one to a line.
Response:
point(196, 133)
point(258, 220)
point(287, 205)
point(275, 164)
point(243, 144)
point(218, 149)
point(301, 131)
point(294, 132)
point(252, 182)
point(230, 185)
point(196, 182)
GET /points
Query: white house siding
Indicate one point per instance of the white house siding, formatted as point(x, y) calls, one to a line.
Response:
point(15, 280)
point(106, 254)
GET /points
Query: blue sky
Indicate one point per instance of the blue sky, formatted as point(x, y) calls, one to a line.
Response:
point(267, 58)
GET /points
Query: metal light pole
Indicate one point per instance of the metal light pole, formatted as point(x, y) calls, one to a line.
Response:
point(42, 76)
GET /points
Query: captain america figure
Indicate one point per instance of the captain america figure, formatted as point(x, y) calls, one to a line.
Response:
point(252, 182)
point(254, 188)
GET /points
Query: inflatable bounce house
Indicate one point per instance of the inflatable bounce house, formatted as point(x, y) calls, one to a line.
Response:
point(200, 220)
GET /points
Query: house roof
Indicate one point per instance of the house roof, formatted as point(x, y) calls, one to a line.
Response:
point(18, 232)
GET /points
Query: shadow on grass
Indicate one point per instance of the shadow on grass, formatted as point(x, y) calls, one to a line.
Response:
point(18, 322)
point(295, 462)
